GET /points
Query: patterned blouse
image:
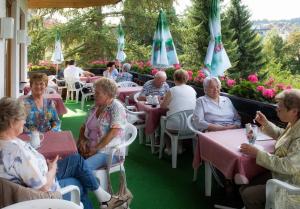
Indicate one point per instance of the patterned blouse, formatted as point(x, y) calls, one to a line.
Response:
point(125, 76)
point(44, 119)
point(150, 89)
point(22, 164)
point(113, 116)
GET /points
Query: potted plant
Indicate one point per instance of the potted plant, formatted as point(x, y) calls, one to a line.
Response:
point(43, 67)
point(97, 66)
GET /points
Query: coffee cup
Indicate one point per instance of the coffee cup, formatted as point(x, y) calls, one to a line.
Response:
point(36, 138)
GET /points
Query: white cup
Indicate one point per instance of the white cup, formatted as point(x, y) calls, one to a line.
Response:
point(149, 99)
point(155, 100)
point(36, 138)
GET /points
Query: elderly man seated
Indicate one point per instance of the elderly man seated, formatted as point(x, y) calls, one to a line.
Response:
point(72, 73)
point(157, 86)
point(214, 112)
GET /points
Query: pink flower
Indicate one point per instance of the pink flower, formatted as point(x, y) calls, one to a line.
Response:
point(154, 71)
point(281, 86)
point(260, 88)
point(289, 87)
point(253, 78)
point(270, 82)
point(230, 82)
point(201, 74)
point(268, 93)
point(148, 63)
point(177, 66)
point(190, 73)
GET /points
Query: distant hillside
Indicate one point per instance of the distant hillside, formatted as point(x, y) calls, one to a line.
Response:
point(294, 21)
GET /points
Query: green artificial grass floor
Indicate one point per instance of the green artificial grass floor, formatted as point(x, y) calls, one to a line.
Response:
point(154, 184)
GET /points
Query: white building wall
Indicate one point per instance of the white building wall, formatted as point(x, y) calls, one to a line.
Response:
point(2, 52)
point(16, 64)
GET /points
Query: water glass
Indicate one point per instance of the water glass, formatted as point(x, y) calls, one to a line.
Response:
point(251, 133)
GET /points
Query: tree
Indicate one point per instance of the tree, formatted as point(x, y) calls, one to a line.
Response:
point(291, 57)
point(140, 17)
point(272, 46)
point(196, 33)
point(249, 43)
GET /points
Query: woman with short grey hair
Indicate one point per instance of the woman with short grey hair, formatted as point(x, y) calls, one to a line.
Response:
point(124, 75)
point(214, 112)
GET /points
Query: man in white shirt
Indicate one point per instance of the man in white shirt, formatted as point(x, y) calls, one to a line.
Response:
point(73, 73)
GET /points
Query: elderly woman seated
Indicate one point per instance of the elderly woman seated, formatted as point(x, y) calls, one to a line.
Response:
point(180, 97)
point(41, 112)
point(284, 163)
point(22, 164)
point(157, 86)
point(104, 126)
point(214, 112)
point(111, 71)
point(124, 75)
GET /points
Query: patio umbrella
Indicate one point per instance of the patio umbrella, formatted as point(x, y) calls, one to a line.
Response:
point(57, 56)
point(216, 60)
point(121, 56)
point(163, 49)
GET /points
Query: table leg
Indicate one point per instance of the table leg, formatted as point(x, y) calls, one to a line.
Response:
point(207, 179)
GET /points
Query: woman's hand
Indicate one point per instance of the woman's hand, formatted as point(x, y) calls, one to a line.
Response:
point(52, 164)
point(261, 118)
point(248, 149)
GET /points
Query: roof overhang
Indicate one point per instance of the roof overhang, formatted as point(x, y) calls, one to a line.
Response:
point(35, 4)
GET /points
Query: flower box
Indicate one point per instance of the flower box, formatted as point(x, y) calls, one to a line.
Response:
point(96, 71)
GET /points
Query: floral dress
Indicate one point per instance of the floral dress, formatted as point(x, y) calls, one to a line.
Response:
point(44, 119)
point(113, 116)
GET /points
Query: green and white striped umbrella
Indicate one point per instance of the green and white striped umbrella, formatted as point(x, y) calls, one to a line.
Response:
point(57, 56)
point(121, 56)
point(216, 60)
point(163, 49)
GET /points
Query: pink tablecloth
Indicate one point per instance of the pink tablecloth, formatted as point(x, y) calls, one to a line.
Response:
point(55, 143)
point(153, 116)
point(221, 149)
point(127, 91)
point(90, 79)
point(59, 103)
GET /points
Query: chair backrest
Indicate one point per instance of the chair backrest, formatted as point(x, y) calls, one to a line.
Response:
point(11, 193)
point(182, 117)
point(191, 125)
point(133, 116)
point(50, 90)
point(274, 191)
point(136, 96)
point(126, 84)
point(130, 135)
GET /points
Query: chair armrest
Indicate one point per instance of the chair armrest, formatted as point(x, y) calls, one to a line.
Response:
point(131, 107)
point(75, 193)
point(291, 189)
point(191, 126)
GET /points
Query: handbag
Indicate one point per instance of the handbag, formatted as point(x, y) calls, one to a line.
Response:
point(123, 192)
point(83, 144)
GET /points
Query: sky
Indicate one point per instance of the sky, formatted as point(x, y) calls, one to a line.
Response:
point(261, 9)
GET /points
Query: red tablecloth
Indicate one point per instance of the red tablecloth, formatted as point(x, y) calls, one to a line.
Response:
point(90, 79)
point(59, 103)
point(127, 91)
point(153, 116)
point(55, 143)
point(221, 149)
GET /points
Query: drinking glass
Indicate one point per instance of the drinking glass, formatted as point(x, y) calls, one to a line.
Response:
point(251, 133)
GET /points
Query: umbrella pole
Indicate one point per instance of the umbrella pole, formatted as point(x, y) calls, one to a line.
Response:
point(56, 70)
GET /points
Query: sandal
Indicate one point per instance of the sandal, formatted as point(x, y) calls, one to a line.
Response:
point(113, 203)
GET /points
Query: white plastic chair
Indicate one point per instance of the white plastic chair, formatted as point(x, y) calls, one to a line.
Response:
point(71, 88)
point(137, 118)
point(50, 90)
point(61, 84)
point(85, 96)
point(44, 204)
point(127, 84)
point(182, 133)
point(271, 194)
point(210, 169)
point(101, 173)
